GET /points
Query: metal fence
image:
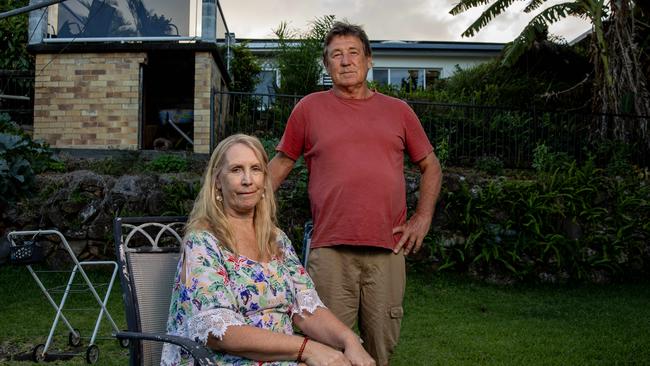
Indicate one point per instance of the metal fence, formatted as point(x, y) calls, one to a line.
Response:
point(466, 133)
point(17, 95)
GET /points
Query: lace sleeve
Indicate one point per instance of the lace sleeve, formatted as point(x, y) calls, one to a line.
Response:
point(215, 321)
point(306, 300)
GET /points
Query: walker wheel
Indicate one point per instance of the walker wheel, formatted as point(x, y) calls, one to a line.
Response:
point(125, 342)
point(37, 353)
point(92, 354)
point(74, 338)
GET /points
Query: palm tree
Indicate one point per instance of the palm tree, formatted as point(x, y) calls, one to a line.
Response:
point(618, 75)
point(299, 55)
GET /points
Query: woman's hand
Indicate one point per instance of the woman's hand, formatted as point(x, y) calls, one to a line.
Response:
point(357, 355)
point(318, 354)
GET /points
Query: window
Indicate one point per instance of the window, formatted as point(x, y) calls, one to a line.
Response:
point(267, 82)
point(380, 76)
point(405, 78)
point(154, 18)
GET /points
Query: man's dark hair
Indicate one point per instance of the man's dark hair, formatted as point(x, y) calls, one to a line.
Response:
point(346, 29)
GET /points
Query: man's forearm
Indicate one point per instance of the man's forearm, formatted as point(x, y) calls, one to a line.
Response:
point(279, 167)
point(430, 183)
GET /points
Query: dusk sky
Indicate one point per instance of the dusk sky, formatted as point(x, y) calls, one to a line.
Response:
point(416, 20)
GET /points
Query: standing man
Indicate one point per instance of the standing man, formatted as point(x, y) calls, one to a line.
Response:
point(353, 140)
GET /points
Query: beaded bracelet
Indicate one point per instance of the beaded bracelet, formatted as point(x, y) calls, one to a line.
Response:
point(302, 348)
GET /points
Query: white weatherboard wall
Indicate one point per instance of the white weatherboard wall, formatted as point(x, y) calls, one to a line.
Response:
point(446, 65)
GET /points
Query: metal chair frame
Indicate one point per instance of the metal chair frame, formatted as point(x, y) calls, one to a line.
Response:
point(125, 230)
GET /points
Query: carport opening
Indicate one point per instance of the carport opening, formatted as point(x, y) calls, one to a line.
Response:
point(168, 101)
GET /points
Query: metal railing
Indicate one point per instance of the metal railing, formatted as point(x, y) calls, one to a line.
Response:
point(17, 95)
point(463, 133)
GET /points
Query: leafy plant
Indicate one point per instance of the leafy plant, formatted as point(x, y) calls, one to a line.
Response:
point(245, 68)
point(13, 38)
point(167, 164)
point(573, 222)
point(545, 160)
point(179, 197)
point(490, 164)
point(300, 62)
point(21, 159)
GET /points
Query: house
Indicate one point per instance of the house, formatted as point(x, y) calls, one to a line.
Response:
point(128, 74)
point(148, 74)
point(412, 63)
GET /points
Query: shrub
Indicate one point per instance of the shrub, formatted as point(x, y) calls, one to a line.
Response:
point(574, 222)
point(489, 164)
point(21, 159)
point(544, 160)
point(167, 164)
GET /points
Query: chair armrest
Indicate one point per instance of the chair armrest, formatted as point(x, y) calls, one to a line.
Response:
point(202, 355)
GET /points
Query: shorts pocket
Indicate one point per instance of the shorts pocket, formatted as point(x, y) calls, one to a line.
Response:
point(396, 312)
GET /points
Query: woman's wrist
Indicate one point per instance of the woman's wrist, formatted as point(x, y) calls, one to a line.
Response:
point(301, 351)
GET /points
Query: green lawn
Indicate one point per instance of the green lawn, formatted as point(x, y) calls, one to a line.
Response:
point(26, 317)
point(452, 321)
point(448, 321)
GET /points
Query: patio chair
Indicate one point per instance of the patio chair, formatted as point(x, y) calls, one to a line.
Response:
point(148, 250)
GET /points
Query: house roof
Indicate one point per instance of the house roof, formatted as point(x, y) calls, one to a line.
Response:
point(397, 47)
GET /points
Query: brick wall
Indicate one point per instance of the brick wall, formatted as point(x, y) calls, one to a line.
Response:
point(88, 100)
point(206, 78)
point(92, 100)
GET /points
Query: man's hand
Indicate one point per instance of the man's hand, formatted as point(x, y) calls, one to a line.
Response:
point(413, 233)
point(358, 356)
point(417, 227)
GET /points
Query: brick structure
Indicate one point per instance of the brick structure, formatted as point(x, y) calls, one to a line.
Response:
point(94, 100)
point(88, 100)
point(206, 79)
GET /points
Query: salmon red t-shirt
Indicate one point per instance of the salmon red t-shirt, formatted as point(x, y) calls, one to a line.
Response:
point(354, 151)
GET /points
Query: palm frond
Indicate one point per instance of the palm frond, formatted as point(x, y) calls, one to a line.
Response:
point(320, 27)
point(465, 5)
point(533, 4)
point(513, 50)
point(560, 11)
point(495, 9)
point(540, 23)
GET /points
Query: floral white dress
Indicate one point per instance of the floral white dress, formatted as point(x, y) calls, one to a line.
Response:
point(222, 289)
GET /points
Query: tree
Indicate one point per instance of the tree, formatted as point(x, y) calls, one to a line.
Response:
point(299, 56)
point(245, 68)
point(619, 83)
point(13, 38)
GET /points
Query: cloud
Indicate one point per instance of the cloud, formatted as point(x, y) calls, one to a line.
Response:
point(423, 20)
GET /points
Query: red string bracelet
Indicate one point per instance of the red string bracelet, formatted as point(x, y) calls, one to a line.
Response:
point(302, 348)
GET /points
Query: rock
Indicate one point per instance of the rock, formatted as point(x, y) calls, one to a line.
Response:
point(89, 212)
point(75, 234)
point(155, 202)
point(78, 246)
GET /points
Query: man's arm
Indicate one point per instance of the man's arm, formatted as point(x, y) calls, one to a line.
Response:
point(279, 167)
point(417, 227)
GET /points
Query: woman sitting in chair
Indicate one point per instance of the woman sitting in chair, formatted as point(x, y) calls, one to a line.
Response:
point(240, 287)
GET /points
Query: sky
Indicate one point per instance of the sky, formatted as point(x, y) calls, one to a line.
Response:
point(406, 20)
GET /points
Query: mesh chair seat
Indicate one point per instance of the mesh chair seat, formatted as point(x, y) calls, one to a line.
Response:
point(148, 250)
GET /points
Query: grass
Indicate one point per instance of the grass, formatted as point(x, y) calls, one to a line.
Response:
point(452, 321)
point(448, 321)
point(27, 317)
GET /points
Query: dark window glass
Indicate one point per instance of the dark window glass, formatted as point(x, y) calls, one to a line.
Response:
point(432, 76)
point(380, 76)
point(405, 79)
point(123, 18)
point(266, 84)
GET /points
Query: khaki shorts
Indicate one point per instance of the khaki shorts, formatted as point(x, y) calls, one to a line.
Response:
point(364, 286)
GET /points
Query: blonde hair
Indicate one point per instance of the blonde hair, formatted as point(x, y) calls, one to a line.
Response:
point(208, 212)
